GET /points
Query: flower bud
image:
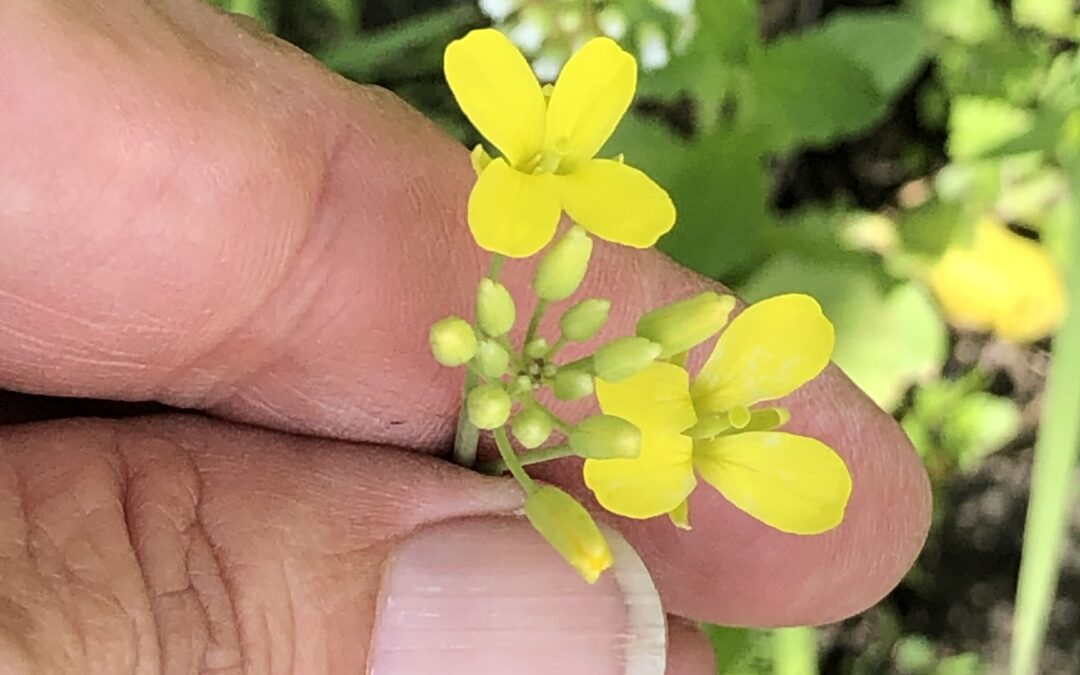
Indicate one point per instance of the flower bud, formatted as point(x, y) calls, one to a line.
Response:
point(453, 341)
point(623, 357)
point(521, 384)
point(571, 384)
point(531, 427)
point(494, 308)
point(585, 319)
point(605, 437)
point(488, 406)
point(536, 348)
point(570, 530)
point(563, 267)
point(491, 359)
point(685, 324)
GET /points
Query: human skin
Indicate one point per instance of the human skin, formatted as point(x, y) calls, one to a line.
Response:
point(195, 213)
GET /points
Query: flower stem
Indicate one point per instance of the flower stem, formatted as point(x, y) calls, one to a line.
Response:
point(495, 267)
point(534, 322)
point(512, 462)
point(496, 467)
point(467, 435)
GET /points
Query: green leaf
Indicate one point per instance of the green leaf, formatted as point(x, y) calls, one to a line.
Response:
point(805, 91)
point(978, 125)
point(969, 21)
point(361, 58)
point(861, 311)
point(891, 46)
point(719, 186)
point(1056, 17)
point(979, 424)
point(707, 69)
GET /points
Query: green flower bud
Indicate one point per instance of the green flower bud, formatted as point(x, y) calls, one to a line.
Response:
point(571, 384)
point(488, 406)
point(570, 530)
point(685, 324)
point(536, 348)
point(585, 319)
point(521, 384)
point(623, 357)
point(531, 427)
point(494, 308)
point(606, 437)
point(491, 359)
point(453, 341)
point(563, 267)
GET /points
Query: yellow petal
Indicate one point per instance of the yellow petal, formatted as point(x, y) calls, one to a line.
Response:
point(793, 483)
point(770, 350)
point(654, 483)
point(657, 398)
point(498, 92)
point(617, 202)
point(513, 213)
point(591, 95)
point(1003, 282)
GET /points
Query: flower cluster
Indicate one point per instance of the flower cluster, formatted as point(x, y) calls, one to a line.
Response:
point(658, 430)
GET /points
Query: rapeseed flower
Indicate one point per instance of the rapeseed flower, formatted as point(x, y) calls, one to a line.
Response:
point(1001, 282)
point(708, 427)
point(548, 146)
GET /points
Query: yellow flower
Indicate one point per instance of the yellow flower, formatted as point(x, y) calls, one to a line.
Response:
point(793, 483)
point(548, 147)
point(1002, 282)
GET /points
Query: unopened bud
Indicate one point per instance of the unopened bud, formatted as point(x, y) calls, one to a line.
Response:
point(531, 427)
point(585, 319)
point(494, 308)
point(685, 324)
point(536, 348)
point(570, 530)
point(521, 384)
point(571, 384)
point(623, 357)
point(606, 437)
point(491, 359)
point(563, 267)
point(453, 341)
point(488, 406)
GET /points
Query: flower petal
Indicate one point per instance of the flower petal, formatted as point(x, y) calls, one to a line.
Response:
point(591, 95)
point(617, 202)
point(654, 483)
point(774, 347)
point(513, 213)
point(498, 92)
point(794, 483)
point(657, 398)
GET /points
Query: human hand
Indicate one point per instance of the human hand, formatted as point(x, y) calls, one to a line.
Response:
point(200, 215)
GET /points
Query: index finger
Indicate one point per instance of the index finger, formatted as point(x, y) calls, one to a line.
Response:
point(193, 215)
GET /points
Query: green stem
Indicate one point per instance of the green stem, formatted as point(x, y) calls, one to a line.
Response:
point(512, 462)
point(467, 436)
point(495, 267)
point(1052, 491)
point(559, 344)
point(534, 322)
point(497, 466)
point(795, 651)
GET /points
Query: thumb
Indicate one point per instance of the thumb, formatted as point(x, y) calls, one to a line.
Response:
point(163, 541)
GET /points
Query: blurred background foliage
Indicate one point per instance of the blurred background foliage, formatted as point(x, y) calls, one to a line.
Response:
point(914, 165)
